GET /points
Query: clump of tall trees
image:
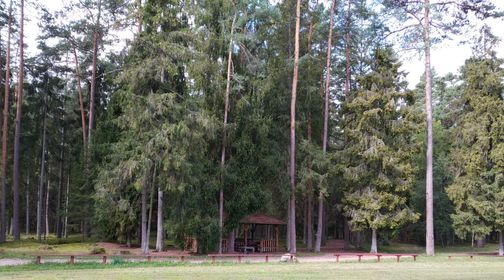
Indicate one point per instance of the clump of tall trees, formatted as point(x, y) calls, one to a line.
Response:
point(218, 109)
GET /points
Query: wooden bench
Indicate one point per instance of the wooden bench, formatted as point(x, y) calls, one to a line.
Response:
point(398, 256)
point(239, 256)
point(378, 256)
point(72, 257)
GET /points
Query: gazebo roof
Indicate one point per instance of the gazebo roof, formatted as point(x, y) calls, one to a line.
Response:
point(260, 219)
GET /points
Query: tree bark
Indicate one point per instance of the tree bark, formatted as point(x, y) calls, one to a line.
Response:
point(139, 16)
point(292, 165)
point(320, 224)
point(81, 99)
point(347, 51)
point(305, 219)
point(60, 186)
point(17, 133)
point(66, 205)
point(309, 214)
point(231, 242)
point(501, 243)
point(374, 245)
point(96, 38)
point(309, 195)
point(288, 225)
point(149, 220)
point(3, 200)
point(309, 244)
point(27, 219)
point(143, 230)
point(160, 229)
point(224, 135)
point(429, 209)
point(346, 233)
point(47, 208)
point(40, 196)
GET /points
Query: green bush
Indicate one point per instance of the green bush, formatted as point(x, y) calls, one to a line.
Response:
point(97, 250)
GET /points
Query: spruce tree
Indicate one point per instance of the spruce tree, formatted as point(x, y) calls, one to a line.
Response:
point(478, 152)
point(379, 129)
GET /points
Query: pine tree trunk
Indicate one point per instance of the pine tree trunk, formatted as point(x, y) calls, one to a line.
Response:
point(231, 242)
point(501, 243)
point(320, 224)
point(292, 165)
point(309, 244)
point(17, 133)
point(309, 220)
point(346, 233)
point(149, 220)
point(60, 186)
point(139, 16)
point(96, 38)
point(47, 208)
point(40, 196)
point(224, 135)
point(324, 228)
point(81, 98)
point(66, 205)
point(27, 219)
point(429, 248)
point(305, 219)
point(288, 227)
point(374, 245)
point(3, 200)
point(347, 51)
point(143, 230)
point(160, 229)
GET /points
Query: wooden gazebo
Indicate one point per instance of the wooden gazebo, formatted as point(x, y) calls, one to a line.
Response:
point(260, 232)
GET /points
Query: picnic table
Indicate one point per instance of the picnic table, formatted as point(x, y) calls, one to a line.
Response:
point(246, 249)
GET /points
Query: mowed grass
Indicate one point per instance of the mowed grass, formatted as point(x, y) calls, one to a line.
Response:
point(425, 268)
point(74, 244)
point(28, 245)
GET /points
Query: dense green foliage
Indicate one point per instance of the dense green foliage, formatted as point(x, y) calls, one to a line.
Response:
point(379, 127)
point(478, 152)
point(159, 103)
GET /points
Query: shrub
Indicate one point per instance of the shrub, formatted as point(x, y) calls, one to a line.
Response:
point(97, 250)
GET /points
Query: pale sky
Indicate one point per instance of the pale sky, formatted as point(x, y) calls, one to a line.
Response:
point(450, 56)
point(447, 57)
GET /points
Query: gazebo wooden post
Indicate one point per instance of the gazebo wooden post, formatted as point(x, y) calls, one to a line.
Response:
point(277, 233)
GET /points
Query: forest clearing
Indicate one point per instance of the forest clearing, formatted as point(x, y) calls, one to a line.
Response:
point(284, 139)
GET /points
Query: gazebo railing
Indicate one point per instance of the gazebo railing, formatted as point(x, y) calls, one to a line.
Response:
point(268, 245)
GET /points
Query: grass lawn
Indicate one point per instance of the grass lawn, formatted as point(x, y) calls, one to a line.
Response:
point(430, 268)
point(425, 268)
point(74, 244)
